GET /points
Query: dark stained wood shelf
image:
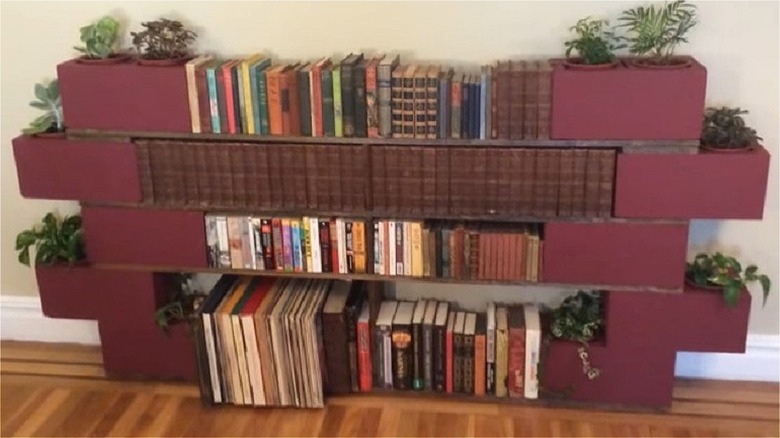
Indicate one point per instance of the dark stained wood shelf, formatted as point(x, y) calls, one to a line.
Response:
point(660, 146)
point(369, 277)
point(282, 212)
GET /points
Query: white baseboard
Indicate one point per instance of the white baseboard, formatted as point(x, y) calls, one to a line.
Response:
point(22, 320)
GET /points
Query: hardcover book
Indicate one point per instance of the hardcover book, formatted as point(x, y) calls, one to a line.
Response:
point(383, 343)
point(516, 352)
point(384, 86)
point(402, 354)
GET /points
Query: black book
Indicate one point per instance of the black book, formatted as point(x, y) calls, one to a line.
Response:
point(347, 93)
point(402, 346)
point(465, 108)
point(440, 347)
point(236, 76)
point(326, 79)
point(304, 100)
point(359, 87)
point(354, 304)
point(418, 350)
point(476, 114)
point(325, 250)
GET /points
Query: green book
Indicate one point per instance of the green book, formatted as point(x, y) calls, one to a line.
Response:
point(255, 71)
point(262, 97)
point(328, 125)
point(337, 117)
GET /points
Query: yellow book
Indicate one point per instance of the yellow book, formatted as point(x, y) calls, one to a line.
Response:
point(228, 352)
point(248, 97)
point(417, 253)
point(305, 225)
point(359, 246)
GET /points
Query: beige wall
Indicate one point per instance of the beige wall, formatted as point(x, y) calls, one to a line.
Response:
point(737, 41)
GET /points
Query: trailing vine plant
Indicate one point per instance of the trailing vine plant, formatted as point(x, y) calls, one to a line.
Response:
point(579, 318)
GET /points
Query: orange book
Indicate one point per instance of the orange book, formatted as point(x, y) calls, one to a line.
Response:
point(273, 79)
point(480, 355)
point(359, 246)
point(286, 84)
point(315, 82)
point(365, 380)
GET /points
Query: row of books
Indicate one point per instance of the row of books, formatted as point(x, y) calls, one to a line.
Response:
point(259, 341)
point(362, 96)
point(437, 249)
point(427, 181)
point(288, 342)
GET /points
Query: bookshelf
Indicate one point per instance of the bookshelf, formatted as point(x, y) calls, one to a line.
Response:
point(636, 251)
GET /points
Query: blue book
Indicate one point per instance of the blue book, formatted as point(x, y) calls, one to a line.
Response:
point(444, 99)
point(262, 98)
point(475, 97)
point(211, 78)
point(295, 232)
point(483, 105)
point(255, 74)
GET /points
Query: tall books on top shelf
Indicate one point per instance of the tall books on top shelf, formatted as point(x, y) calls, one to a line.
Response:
point(434, 249)
point(357, 97)
point(288, 342)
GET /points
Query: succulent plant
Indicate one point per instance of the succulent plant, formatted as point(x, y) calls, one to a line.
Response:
point(163, 39)
point(48, 100)
point(724, 128)
point(99, 38)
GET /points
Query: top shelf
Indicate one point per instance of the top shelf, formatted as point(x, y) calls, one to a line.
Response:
point(665, 146)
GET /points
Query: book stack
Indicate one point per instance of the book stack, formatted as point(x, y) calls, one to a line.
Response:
point(289, 244)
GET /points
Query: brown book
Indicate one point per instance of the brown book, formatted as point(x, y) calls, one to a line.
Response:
point(335, 338)
point(378, 178)
point(460, 180)
point(226, 187)
point(420, 102)
point(529, 182)
point(386, 85)
point(298, 175)
point(541, 181)
point(517, 100)
point(456, 104)
point(392, 155)
point(315, 85)
point(473, 254)
point(214, 179)
point(429, 183)
point(480, 354)
point(482, 254)
point(432, 100)
point(530, 97)
point(544, 101)
point(287, 174)
point(397, 100)
point(477, 204)
point(516, 369)
point(293, 126)
point(334, 188)
point(503, 99)
point(442, 178)
point(457, 353)
point(522, 254)
point(261, 179)
point(566, 183)
point(408, 102)
point(286, 83)
point(238, 174)
point(346, 176)
point(606, 181)
point(469, 331)
point(314, 171)
point(579, 168)
point(204, 105)
point(592, 181)
point(511, 181)
point(553, 182)
point(494, 204)
point(274, 85)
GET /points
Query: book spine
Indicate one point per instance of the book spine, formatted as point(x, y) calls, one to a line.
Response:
point(377, 236)
point(457, 362)
point(275, 124)
point(502, 362)
point(402, 357)
point(407, 124)
point(287, 245)
point(407, 245)
point(252, 73)
point(335, 340)
point(359, 246)
point(384, 101)
point(416, 249)
point(530, 108)
point(387, 356)
point(418, 356)
point(544, 101)
point(347, 100)
point(297, 254)
point(335, 249)
point(236, 87)
point(304, 99)
point(516, 102)
point(295, 102)
point(420, 104)
point(504, 99)
point(467, 353)
point(399, 248)
point(428, 355)
point(213, 102)
point(238, 78)
point(264, 127)
point(439, 353)
point(364, 356)
point(480, 355)
point(192, 98)
point(212, 241)
point(448, 361)
point(455, 105)
point(313, 233)
point(391, 250)
point(338, 114)
point(248, 98)
point(325, 249)
point(284, 97)
point(606, 182)
point(247, 243)
point(204, 105)
point(396, 102)
point(443, 120)
point(234, 239)
point(372, 106)
point(432, 105)
point(328, 113)
point(483, 105)
point(359, 89)
point(592, 182)
point(307, 244)
point(516, 368)
point(224, 242)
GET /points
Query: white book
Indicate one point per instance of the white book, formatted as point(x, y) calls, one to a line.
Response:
point(316, 249)
point(377, 248)
point(211, 348)
point(533, 338)
point(341, 233)
point(253, 360)
point(490, 349)
point(224, 243)
point(408, 249)
point(391, 242)
point(384, 327)
point(212, 240)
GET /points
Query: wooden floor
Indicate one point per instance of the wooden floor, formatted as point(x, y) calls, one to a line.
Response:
point(61, 390)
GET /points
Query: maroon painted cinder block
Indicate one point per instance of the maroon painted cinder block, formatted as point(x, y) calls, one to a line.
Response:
point(59, 168)
point(704, 185)
point(146, 237)
point(628, 103)
point(124, 97)
point(133, 345)
point(620, 254)
point(716, 327)
point(70, 292)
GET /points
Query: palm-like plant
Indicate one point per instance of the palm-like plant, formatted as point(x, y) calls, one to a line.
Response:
point(595, 43)
point(658, 31)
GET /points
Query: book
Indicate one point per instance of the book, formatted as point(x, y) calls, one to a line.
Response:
point(249, 91)
point(428, 344)
point(444, 119)
point(533, 339)
point(338, 115)
point(372, 96)
point(206, 326)
point(315, 90)
point(354, 305)
point(259, 96)
point(418, 353)
point(288, 91)
point(490, 349)
point(420, 102)
point(456, 98)
point(402, 346)
point(407, 102)
point(304, 99)
point(192, 89)
point(348, 92)
point(384, 90)
point(359, 91)
point(467, 352)
point(458, 348)
point(432, 101)
point(365, 381)
point(274, 85)
point(328, 113)
point(396, 101)
point(449, 353)
point(383, 345)
point(502, 350)
point(480, 354)
point(211, 71)
point(359, 246)
point(441, 343)
point(516, 351)
point(336, 338)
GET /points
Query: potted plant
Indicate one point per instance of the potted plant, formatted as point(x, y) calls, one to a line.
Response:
point(724, 130)
point(181, 304)
point(100, 39)
point(595, 45)
point(579, 318)
point(56, 241)
point(656, 32)
point(51, 123)
point(724, 273)
point(163, 42)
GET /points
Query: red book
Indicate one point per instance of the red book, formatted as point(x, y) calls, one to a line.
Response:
point(286, 77)
point(273, 78)
point(516, 369)
point(364, 349)
point(278, 243)
point(448, 351)
point(315, 82)
point(334, 247)
point(227, 79)
point(204, 109)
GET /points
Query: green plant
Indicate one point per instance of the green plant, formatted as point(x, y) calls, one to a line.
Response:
point(726, 272)
point(48, 99)
point(181, 304)
point(163, 39)
point(594, 43)
point(55, 241)
point(99, 38)
point(725, 128)
point(579, 318)
point(658, 31)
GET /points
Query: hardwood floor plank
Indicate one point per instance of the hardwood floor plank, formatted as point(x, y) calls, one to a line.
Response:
point(42, 412)
point(44, 352)
point(52, 369)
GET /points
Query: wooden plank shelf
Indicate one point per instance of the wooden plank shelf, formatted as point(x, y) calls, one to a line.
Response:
point(666, 146)
point(282, 212)
point(370, 277)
